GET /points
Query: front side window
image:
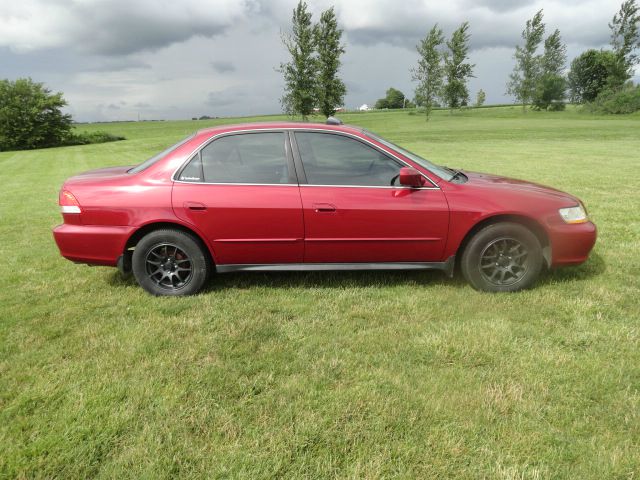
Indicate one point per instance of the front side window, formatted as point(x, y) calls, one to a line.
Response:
point(243, 158)
point(331, 159)
point(440, 171)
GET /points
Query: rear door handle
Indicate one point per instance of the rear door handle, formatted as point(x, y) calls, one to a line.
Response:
point(196, 206)
point(324, 208)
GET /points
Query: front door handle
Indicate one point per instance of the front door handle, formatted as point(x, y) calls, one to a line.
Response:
point(324, 208)
point(195, 206)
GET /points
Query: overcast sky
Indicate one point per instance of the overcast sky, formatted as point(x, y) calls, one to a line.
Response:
point(175, 59)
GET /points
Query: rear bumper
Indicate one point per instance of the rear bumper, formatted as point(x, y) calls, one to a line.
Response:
point(92, 244)
point(571, 244)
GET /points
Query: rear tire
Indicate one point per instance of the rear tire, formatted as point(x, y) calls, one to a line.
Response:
point(170, 262)
point(502, 257)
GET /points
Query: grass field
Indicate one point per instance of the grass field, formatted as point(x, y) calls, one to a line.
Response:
point(325, 375)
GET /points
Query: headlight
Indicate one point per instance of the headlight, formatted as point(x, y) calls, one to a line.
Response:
point(575, 214)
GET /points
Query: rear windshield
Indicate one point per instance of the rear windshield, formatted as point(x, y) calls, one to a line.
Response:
point(147, 163)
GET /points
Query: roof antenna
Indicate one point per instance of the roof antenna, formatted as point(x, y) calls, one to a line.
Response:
point(334, 121)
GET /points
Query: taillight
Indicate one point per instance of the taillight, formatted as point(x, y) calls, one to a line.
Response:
point(68, 203)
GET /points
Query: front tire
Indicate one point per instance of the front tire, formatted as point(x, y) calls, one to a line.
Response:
point(170, 262)
point(502, 257)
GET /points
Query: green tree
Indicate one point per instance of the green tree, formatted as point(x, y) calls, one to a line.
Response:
point(550, 93)
point(523, 80)
point(590, 74)
point(31, 116)
point(300, 73)
point(554, 59)
point(429, 72)
point(456, 68)
point(330, 89)
point(480, 98)
point(625, 39)
point(551, 86)
point(619, 101)
point(394, 99)
point(381, 104)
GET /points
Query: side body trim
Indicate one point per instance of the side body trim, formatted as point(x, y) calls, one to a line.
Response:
point(447, 267)
point(385, 239)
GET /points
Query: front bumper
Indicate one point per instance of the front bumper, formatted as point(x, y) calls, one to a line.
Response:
point(91, 244)
point(571, 243)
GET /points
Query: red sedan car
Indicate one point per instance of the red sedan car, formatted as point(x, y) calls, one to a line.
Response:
point(291, 196)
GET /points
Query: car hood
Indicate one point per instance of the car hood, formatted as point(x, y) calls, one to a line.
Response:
point(506, 183)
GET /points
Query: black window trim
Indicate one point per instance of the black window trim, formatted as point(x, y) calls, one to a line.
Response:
point(294, 159)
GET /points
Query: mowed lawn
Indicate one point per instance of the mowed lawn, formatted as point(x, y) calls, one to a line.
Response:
point(330, 375)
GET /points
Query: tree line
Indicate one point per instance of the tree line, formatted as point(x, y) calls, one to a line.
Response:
point(442, 73)
point(311, 76)
point(601, 78)
point(539, 78)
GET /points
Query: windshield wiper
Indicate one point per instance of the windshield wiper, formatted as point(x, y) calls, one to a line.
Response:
point(454, 173)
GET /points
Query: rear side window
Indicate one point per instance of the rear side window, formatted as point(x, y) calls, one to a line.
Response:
point(243, 158)
point(193, 171)
point(330, 159)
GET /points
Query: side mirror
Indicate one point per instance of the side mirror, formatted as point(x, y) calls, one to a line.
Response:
point(410, 177)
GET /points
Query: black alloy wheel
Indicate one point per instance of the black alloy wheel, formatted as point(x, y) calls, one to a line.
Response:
point(171, 262)
point(503, 262)
point(168, 266)
point(502, 257)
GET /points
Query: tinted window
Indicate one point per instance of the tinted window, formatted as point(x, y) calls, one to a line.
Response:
point(338, 160)
point(437, 169)
point(193, 171)
point(243, 158)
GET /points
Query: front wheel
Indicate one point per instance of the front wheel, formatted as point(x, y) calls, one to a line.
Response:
point(170, 262)
point(503, 257)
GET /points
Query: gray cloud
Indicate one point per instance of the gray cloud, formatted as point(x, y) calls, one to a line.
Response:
point(493, 23)
point(354, 87)
point(115, 64)
point(149, 60)
point(501, 6)
point(223, 66)
point(114, 27)
point(223, 98)
point(122, 27)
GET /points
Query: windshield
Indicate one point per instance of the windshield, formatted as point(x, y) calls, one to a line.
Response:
point(147, 163)
point(442, 172)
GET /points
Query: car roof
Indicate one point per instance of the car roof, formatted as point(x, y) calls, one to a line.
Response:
point(279, 125)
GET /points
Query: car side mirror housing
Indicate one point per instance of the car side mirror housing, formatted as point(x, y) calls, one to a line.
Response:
point(410, 177)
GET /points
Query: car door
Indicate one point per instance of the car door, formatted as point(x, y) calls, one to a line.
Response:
point(241, 191)
point(353, 213)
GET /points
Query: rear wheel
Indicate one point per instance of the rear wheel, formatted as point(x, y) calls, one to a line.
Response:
point(170, 262)
point(503, 257)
